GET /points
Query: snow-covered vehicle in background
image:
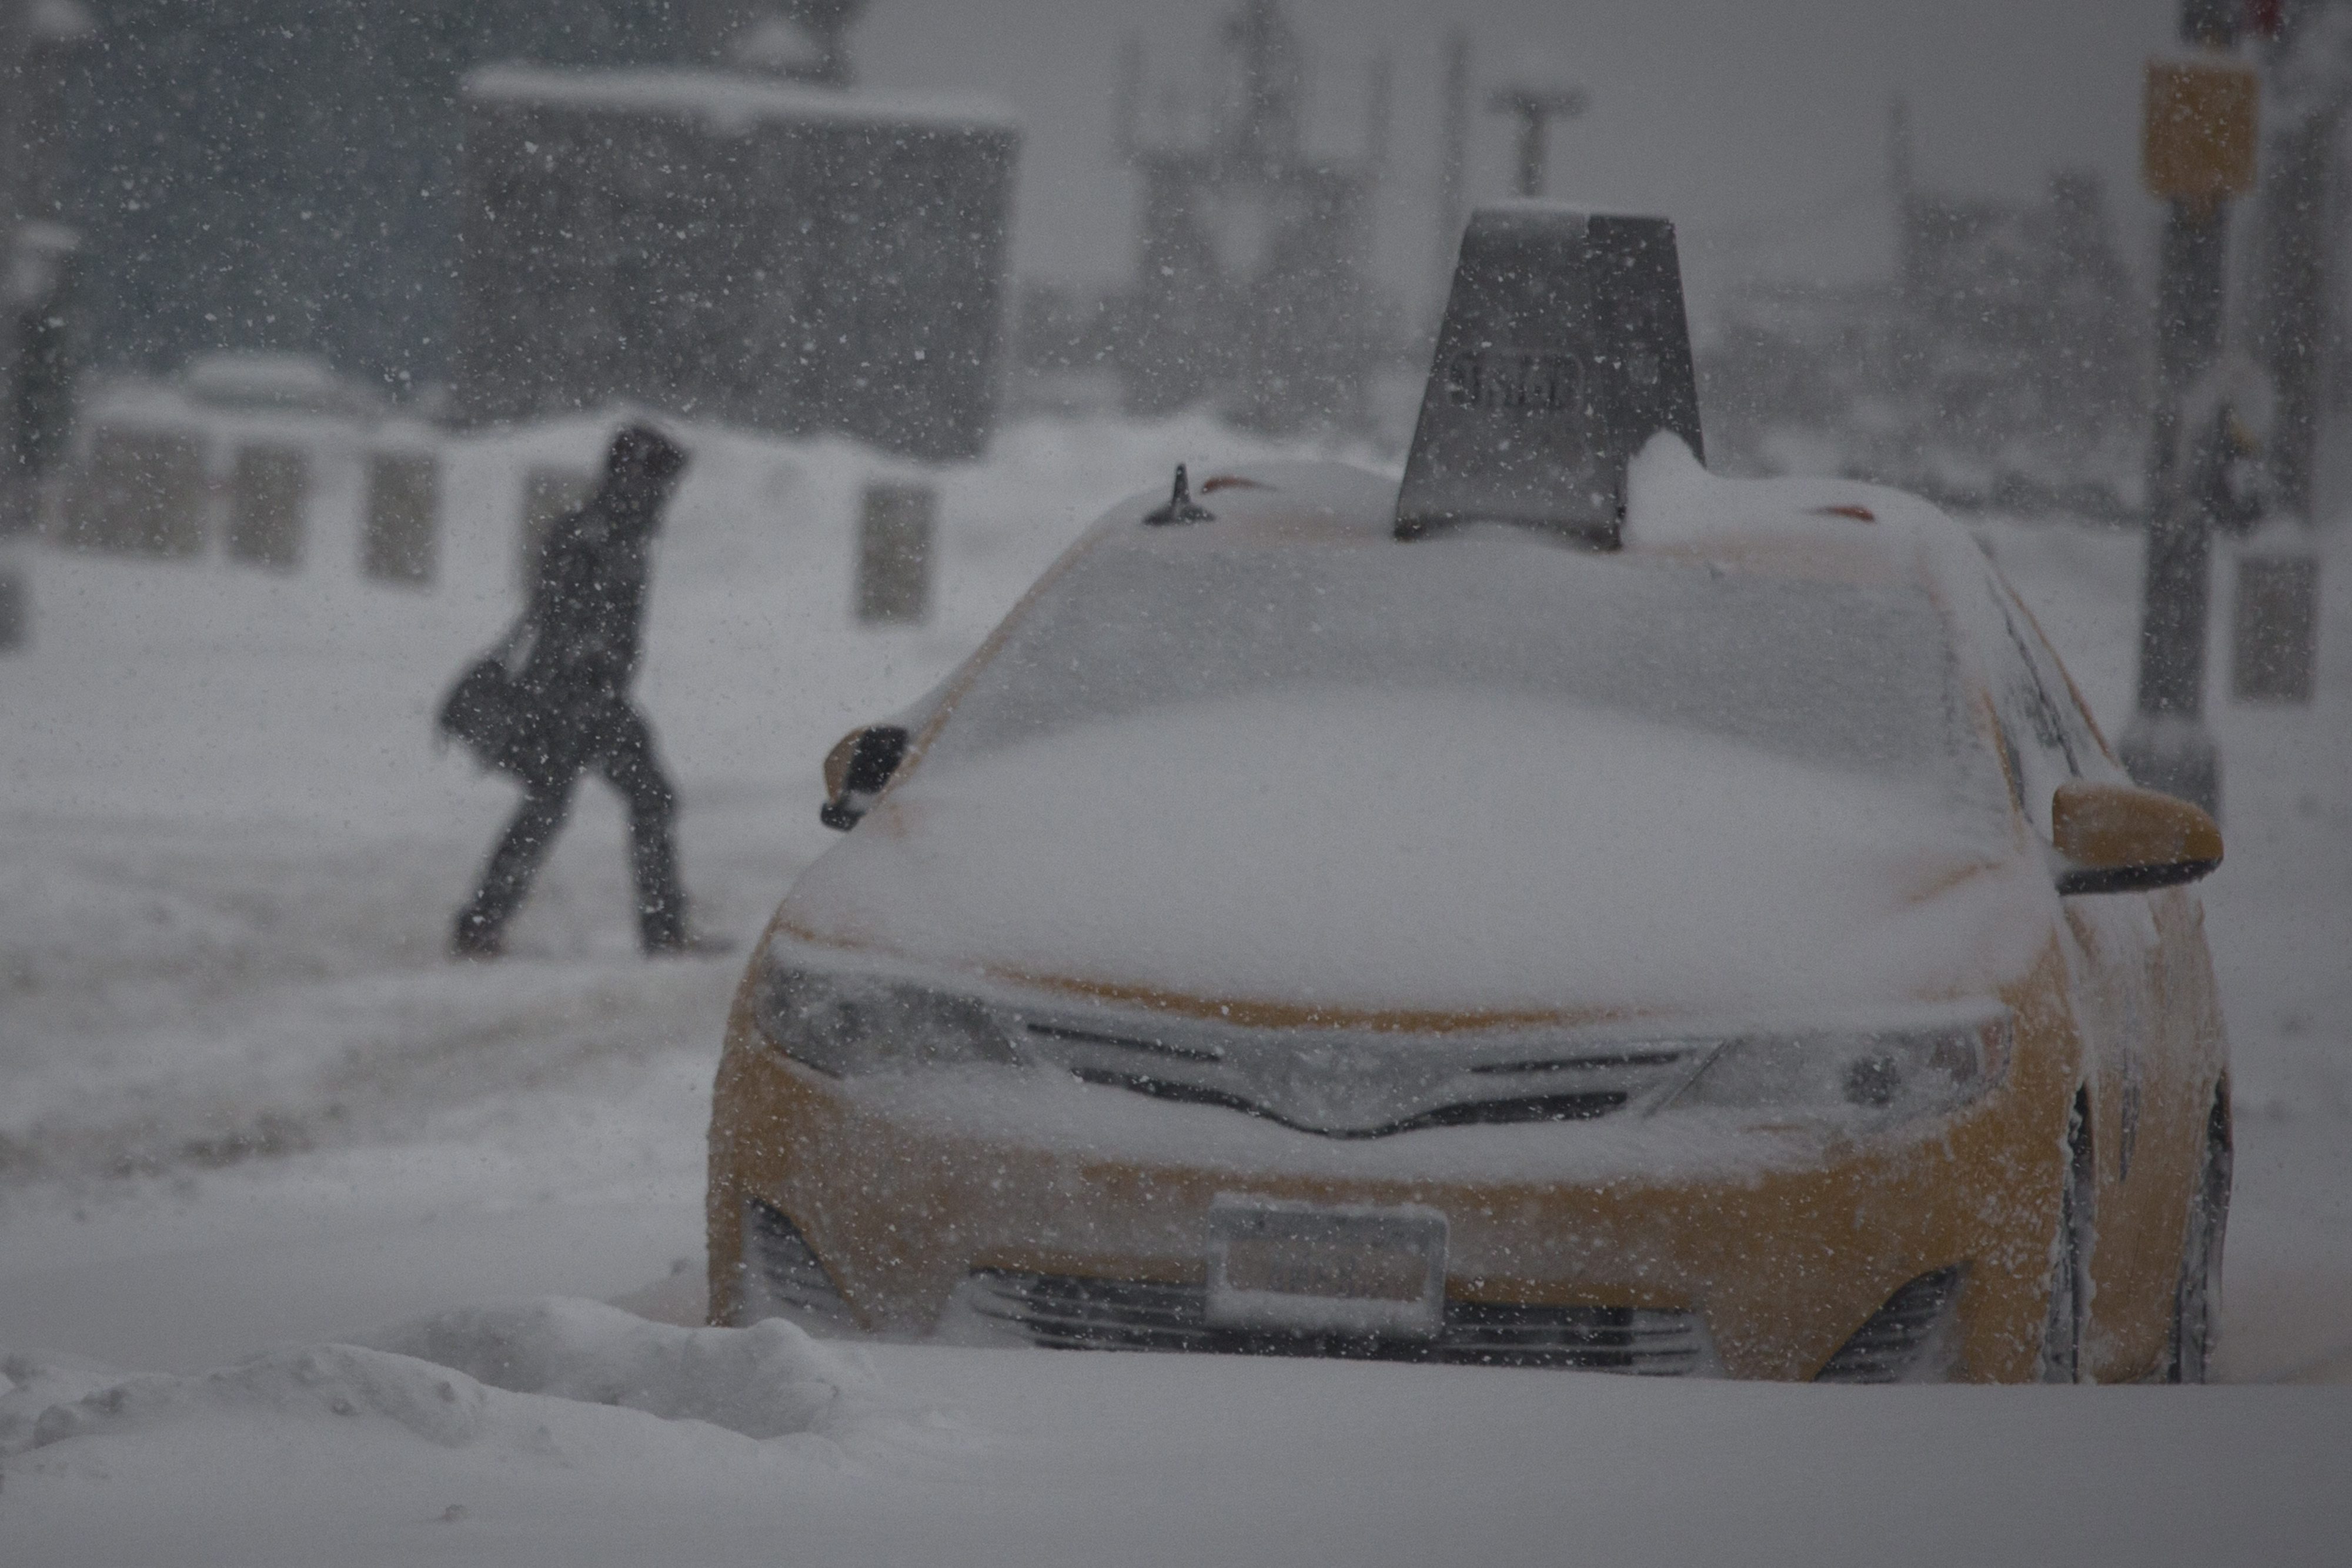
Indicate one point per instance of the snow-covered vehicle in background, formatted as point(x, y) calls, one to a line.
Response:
point(1321, 922)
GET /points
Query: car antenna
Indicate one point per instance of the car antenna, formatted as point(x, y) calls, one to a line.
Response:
point(1180, 507)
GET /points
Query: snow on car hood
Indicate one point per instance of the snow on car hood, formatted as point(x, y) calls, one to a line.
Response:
point(1354, 852)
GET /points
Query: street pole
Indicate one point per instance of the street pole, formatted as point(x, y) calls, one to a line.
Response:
point(13, 177)
point(2307, 89)
point(2199, 151)
point(2297, 238)
point(1454, 147)
point(16, 484)
point(1535, 107)
point(2168, 746)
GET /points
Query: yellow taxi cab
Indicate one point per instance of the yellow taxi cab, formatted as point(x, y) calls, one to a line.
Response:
point(1733, 952)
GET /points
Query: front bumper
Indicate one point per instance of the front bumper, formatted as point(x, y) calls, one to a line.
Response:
point(1761, 1253)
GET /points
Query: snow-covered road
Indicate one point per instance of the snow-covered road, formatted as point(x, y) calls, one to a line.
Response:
point(246, 1106)
point(909, 1455)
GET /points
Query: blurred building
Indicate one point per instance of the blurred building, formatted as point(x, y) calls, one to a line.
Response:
point(1250, 290)
point(280, 174)
point(2004, 363)
point(788, 257)
point(2018, 320)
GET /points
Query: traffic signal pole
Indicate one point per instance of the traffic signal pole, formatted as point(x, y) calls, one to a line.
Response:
point(12, 177)
point(2306, 95)
point(16, 486)
point(1535, 107)
point(2198, 152)
point(2168, 746)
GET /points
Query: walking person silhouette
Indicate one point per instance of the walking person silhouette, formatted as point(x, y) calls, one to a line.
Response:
point(566, 706)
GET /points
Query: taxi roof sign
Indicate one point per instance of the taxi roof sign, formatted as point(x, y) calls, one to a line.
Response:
point(1564, 349)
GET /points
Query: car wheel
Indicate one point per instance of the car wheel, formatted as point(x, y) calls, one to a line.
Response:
point(2070, 1263)
point(2197, 1300)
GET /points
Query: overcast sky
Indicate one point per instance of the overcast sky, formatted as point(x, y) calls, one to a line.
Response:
point(1759, 125)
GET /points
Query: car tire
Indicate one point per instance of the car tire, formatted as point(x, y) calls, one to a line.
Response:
point(2068, 1321)
point(2197, 1299)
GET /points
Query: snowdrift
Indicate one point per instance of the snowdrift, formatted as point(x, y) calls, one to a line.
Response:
point(362, 1456)
point(483, 1376)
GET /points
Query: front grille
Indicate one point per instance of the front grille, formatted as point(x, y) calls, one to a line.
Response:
point(1065, 1312)
point(781, 1276)
point(1362, 1083)
point(1908, 1340)
point(1461, 1114)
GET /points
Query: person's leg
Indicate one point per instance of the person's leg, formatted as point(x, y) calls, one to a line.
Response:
point(629, 762)
point(481, 924)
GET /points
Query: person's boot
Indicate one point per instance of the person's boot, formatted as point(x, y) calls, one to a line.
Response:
point(667, 933)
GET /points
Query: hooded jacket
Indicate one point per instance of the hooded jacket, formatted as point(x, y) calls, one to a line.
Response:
point(587, 617)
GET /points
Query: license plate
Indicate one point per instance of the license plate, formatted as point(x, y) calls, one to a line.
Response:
point(1304, 1267)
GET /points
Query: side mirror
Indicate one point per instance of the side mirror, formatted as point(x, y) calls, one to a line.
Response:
point(2115, 837)
point(856, 769)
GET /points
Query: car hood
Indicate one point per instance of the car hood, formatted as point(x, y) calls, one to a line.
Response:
point(1433, 857)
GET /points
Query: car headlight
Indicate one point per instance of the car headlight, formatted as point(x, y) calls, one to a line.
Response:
point(1889, 1073)
point(848, 1023)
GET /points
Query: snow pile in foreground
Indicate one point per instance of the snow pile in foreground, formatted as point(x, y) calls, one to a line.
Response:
point(367, 1459)
point(766, 1381)
point(485, 1377)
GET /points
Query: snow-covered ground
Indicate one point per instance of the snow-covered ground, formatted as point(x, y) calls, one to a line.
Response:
point(247, 1107)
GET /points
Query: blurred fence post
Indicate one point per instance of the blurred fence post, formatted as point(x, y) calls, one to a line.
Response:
point(18, 501)
point(14, 597)
point(268, 494)
point(895, 532)
point(140, 491)
point(548, 492)
point(400, 537)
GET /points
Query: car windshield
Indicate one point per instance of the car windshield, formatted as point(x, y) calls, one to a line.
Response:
point(1856, 678)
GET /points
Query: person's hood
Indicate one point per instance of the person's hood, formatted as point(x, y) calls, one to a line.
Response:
point(1353, 855)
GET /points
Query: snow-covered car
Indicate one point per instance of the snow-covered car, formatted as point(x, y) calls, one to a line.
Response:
point(1733, 954)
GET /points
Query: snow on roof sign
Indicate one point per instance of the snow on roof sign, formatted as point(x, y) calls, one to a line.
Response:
point(1564, 349)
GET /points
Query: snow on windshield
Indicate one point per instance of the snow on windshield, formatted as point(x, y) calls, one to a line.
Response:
point(1856, 678)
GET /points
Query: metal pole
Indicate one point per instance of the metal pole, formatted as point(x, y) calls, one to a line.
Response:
point(16, 484)
point(12, 98)
point(2274, 613)
point(2298, 234)
point(1535, 107)
point(1453, 154)
point(1531, 152)
point(14, 174)
point(2167, 746)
